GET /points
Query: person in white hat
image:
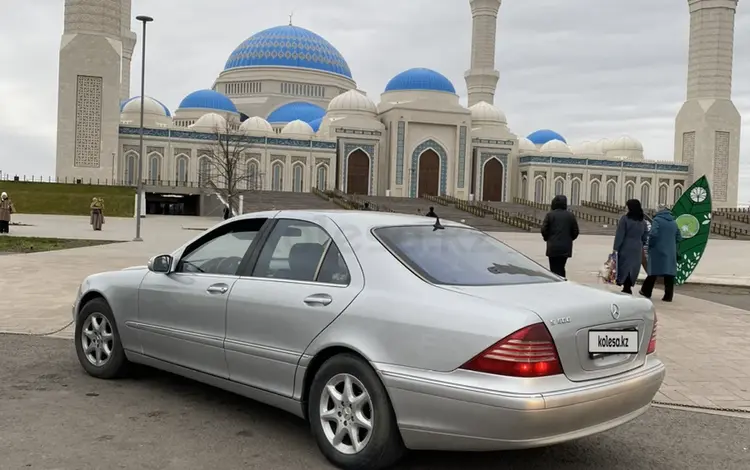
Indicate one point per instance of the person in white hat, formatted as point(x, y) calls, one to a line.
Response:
point(6, 209)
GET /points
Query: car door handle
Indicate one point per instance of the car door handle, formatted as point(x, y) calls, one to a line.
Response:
point(218, 289)
point(318, 299)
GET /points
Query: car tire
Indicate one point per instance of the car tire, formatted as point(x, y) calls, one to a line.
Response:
point(383, 447)
point(97, 341)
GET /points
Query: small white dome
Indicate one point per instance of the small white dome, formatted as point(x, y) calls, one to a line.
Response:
point(526, 146)
point(353, 100)
point(486, 112)
point(586, 149)
point(556, 148)
point(601, 146)
point(257, 125)
point(298, 127)
point(210, 122)
point(151, 107)
point(625, 143)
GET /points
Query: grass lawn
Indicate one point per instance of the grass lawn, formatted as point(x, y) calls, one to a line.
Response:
point(68, 199)
point(11, 244)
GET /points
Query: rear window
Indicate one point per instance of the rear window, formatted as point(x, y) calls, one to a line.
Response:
point(461, 256)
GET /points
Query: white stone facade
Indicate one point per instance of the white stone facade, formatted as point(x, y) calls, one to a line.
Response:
point(305, 124)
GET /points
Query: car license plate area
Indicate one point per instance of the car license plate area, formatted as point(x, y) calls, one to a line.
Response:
point(608, 342)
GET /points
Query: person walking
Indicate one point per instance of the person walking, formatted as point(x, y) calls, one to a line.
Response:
point(6, 210)
point(631, 237)
point(431, 213)
point(97, 214)
point(559, 230)
point(227, 212)
point(662, 254)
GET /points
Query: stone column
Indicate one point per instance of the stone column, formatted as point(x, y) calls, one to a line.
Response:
point(129, 40)
point(707, 128)
point(481, 79)
point(88, 115)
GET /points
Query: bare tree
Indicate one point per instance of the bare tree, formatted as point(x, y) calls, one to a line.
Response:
point(227, 171)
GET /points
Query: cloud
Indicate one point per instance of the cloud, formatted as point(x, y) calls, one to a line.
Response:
point(588, 69)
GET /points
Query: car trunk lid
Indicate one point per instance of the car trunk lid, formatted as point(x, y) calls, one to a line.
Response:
point(570, 311)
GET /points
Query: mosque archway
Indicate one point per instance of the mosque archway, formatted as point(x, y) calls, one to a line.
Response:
point(492, 181)
point(429, 174)
point(358, 173)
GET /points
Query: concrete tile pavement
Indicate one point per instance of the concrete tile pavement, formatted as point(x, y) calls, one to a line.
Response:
point(705, 345)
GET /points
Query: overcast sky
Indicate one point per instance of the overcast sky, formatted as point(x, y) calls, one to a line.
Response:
point(585, 68)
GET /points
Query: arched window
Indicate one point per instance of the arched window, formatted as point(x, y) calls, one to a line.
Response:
point(663, 194)
point(594, 191)
point(253, 176)
point(524, 188)
point(629, 191)
point(277, 180)
point(575, 192)
point(322, 177)
point(539, 185)
point(204, 171)
point(559, 186)
point(611, 192)
point(182, 171)
point(677, 193)
point(131, 168)
point(646, 195)
point(298, 181)
point(154, 169)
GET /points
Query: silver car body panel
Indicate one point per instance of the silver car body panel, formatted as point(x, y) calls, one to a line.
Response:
point(260, 338)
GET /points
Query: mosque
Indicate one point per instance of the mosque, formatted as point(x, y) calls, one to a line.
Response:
point(292, 97)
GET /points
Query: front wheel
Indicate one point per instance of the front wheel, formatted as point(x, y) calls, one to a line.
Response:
point(97, 341)
point(351, 416)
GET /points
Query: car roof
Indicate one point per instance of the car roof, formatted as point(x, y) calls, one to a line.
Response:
point(362, 218)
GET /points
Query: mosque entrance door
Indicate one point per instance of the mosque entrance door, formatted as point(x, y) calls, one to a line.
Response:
point(429, 174)
point(492, 181)
point(358, 173)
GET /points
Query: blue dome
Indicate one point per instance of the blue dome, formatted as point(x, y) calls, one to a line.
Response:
point(208, 99)
point(289, 112)
point(124, 102)
point(288, 46)
point(542, 136)
point(316, 124)
point(420, 79)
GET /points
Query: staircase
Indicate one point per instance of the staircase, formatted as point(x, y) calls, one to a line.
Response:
point(257, 201)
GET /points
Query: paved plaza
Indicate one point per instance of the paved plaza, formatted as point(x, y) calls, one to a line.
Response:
point(705, 345)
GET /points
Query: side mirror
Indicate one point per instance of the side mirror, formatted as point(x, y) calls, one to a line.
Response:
point(160, 264)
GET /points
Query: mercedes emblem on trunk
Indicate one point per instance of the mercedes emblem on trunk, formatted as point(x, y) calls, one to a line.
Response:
point(615, 310)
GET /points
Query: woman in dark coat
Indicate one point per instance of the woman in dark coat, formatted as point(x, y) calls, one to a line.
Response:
point(631, 236)
point(559, 230)
point(662, 254)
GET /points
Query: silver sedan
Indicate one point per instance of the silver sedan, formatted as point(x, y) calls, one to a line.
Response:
point(386, 332)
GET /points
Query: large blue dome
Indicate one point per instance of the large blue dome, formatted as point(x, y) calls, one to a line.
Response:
point(420, 79)
point(542, 136)
point(208, 99)
point(315, 124)
point(288, 46)
point(289, 112)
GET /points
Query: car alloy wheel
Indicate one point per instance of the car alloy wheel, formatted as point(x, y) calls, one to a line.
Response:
point(97, 339)
point(346, 414)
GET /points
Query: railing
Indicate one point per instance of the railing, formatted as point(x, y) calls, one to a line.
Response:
point(534, 205)
point(738, 216)
point(604, 206)
point(504, 216)
point(729, 231)
point(437, 199)
point(320, 194)
point(733, 210)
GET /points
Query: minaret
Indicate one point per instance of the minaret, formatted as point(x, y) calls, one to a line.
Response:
point(128, 38)
point(707, 128)
point(481, 79)
point(88, 109)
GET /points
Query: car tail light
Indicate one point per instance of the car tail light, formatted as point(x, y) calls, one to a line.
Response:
point(529, 352)
point(652, 342)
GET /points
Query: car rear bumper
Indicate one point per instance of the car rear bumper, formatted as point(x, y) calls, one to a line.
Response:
point(453, 412)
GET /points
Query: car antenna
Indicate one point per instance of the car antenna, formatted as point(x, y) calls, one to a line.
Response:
point(438, 225)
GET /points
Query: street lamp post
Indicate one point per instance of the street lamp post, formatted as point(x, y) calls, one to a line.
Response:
point(139, 191)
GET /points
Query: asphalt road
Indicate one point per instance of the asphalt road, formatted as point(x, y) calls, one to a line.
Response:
point(733, 296)
point(53, 416)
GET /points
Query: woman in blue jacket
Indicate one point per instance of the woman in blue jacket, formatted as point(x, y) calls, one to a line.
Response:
point(662, 254)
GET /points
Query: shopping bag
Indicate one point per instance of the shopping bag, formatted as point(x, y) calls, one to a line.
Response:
point(608, 272)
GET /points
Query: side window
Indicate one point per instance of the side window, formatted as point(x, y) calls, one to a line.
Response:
point(222, 253)
point(334, 270)
point(299, 250)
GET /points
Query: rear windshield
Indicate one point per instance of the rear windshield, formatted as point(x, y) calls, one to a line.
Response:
point(461, 256)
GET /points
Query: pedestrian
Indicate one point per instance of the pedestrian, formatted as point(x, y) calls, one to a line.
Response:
point(431, 213)
point(630, 239)
point(366, 206)
point(559, 230)
point(6, 210)
point(97, 213)
point(227, 212)
point(662, 254)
